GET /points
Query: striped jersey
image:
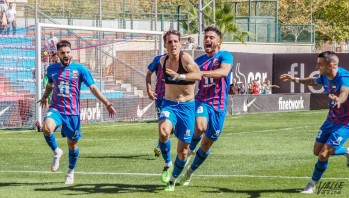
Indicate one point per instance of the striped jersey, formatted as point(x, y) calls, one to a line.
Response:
point(214, 91)
point(336, 115)
point(156, 67)
point(66, 86)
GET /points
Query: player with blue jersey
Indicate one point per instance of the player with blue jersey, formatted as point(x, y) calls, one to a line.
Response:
point(211, 99)
point(159, 91)
point(178, 106)
point(65, 80)
point(335, 130)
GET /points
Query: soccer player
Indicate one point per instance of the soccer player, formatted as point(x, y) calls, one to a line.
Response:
point(178, 106)
point(159, 91)
point(65, 79)
point(334, 132)
point(211, 99)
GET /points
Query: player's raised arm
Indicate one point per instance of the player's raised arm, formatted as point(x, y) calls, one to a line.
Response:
point(307, 81)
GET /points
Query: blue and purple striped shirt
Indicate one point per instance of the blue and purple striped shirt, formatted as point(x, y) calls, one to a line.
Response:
point(336, 115)
point(66, 86)
point(156, 67)
point(214, 91)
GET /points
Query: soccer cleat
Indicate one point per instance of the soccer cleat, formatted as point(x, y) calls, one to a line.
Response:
point(347, 156)
point(166, 175)
point(185, 179)
point(55, 160)
point(170, 186)
point(157, 152)
point(69, 178)
point(310, 188)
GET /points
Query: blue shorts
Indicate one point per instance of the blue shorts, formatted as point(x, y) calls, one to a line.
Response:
point(215, 119)
point(158, 103)
point(333, 134)
point(182, 117)
point(70, 124)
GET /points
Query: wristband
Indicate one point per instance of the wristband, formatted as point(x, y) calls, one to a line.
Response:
point(182, 77)
point(110, 105)
point(296, 80)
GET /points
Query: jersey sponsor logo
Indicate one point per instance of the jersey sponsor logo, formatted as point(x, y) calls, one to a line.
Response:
point(4, 110)
point(216, 62)
point(291, 104)
point(247, 105)
point(91, 113)
point(75, 74)
point(140, 112)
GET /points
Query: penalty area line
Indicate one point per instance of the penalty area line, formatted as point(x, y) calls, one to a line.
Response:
point(155, 174)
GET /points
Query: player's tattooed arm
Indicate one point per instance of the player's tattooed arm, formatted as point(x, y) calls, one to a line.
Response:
point(48, 90)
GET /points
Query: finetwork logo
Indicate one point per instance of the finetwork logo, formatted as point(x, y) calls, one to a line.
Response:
point(90, 113)
point(291, 104)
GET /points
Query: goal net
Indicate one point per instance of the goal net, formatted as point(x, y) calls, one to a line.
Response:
point(116, 58)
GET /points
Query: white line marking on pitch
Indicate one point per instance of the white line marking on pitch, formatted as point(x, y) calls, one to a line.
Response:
point(154, 174)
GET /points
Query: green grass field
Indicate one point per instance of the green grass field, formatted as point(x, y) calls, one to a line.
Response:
point(260, 155)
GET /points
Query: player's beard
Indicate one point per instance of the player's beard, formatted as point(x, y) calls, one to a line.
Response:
point(65, 61)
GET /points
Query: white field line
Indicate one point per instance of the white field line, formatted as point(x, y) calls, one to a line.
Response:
point(154, 174)
point(225, 134)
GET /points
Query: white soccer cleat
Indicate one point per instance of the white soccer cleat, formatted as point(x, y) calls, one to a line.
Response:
point(185, 179)
point(55, 160)
point(310, 188)
point(69, 178)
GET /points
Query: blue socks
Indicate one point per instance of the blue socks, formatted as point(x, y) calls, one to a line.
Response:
point(51, 141)
point(200, 157)
point(165, 150)
point(341, 151)
point(73, 157)
point(319, 170)
point(178, 167)
point(194, 141)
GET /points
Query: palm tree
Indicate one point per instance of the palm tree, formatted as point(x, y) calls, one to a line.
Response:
point(225, 21)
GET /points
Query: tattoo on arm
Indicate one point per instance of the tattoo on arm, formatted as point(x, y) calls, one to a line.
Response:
point(48, 90)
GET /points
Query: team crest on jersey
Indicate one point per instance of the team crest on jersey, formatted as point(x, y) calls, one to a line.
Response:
point(216, 62)
point(75, 74)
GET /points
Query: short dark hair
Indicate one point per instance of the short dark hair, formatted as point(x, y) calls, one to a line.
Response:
point(213, 29)
point(329, 56)
point(63, 43)
point(174, 32)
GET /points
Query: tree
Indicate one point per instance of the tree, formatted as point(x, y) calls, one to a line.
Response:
point(332, 19)
point(225, 21)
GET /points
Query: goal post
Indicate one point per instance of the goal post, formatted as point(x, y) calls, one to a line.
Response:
point(117, 59)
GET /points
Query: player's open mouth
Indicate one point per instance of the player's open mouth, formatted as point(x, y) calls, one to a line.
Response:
point(208, 45)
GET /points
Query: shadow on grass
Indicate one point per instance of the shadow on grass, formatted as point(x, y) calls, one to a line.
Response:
point(3, 184)
point(105, 188)
point(145, 157)
point(255, 193)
